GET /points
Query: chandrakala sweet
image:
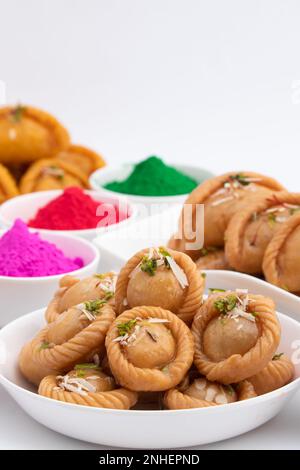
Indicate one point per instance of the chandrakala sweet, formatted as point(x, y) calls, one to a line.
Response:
point(75, 336)
point(201, 393)
point(149, 349)
point(87, 385)
point(8, 187)
point(222, 197)
point(28, 134)
point(277, 373)
point(52, 173)
point(73, 291)
point(281, 262)
point(84, 159)
point(236, 334)
point(250, 230)
point(212, 259)
point(162, 278)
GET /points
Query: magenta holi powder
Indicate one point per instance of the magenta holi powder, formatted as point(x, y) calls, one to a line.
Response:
point(25, 254)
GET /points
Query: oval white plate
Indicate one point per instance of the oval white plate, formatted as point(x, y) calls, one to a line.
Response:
point(140, 429)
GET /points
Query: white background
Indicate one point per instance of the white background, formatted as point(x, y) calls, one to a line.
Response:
point(212, 82)
point(215, 83)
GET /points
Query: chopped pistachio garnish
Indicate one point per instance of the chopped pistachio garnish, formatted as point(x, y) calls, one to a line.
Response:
point(163, 251)
point(17, 113)
point(45, 345)
point(226, 304)
point(86, 365)
point(148, 266)
point(277, 356)
point(229, 389)
point(93, 306)
point(240, 178)
point(255, 314)
point(125, 328)
point(272, 218)
point(294, 210)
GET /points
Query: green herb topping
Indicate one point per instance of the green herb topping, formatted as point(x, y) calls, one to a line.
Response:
point(93, 306)
point(226, 304)
point(240, 178)
point(203, 275)
point(44, 345)
point(213, 290)
point(148, 266)
point(272, 218)
point(277, 356)
point(17, 113)
point(86, 365)
point(125, 328)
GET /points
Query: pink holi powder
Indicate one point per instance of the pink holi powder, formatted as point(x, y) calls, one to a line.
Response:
point(25, 254)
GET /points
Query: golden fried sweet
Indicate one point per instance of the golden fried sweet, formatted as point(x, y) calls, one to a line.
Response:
point(215, 259)
point(202, 393)
point(277, 373)
point(149, 349)
point(28, 134)
point(222, 196)
point(87, 386)
point(73, 291)
point(52, 173)
point(157, 277)
point(74, 337)
point(250, 230)
point(233, 337)
point(281, 262)
point(84, 159)
point(8, 187)
point(236, 334)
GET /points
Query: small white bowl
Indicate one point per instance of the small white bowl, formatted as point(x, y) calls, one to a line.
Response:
point(20, 295)
point(165, 429)
point(107, 174)
point(26, 206)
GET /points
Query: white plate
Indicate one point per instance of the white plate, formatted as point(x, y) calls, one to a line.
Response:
point(140, 429)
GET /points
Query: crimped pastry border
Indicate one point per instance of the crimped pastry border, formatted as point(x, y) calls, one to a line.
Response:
point(237, 367)
point(270, 261)
point(65, 283)
point(234, 234)
point(174, 399)
point(194, 290)
point(28, 180)
point(276, 374)
point(119, 399)
point(201, 193)
point(33, 361)
point(139, 379)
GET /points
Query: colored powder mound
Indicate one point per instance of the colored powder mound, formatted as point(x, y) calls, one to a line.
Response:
point(25, 254)
point(75, 210)
point(152, 177)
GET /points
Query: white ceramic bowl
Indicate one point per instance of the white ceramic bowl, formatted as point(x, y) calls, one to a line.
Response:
point(26, 206)
point(20, 295)
point(139, 429)
point(107, 174)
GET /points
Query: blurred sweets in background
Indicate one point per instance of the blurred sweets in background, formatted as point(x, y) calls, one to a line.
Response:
point(36, 154)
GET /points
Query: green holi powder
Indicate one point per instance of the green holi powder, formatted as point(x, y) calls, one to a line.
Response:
point(152, 177)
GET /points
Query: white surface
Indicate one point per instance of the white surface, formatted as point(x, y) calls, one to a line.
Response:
point(19, 431)
point(20, 295)
point(99, 425)
point(210, 83)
